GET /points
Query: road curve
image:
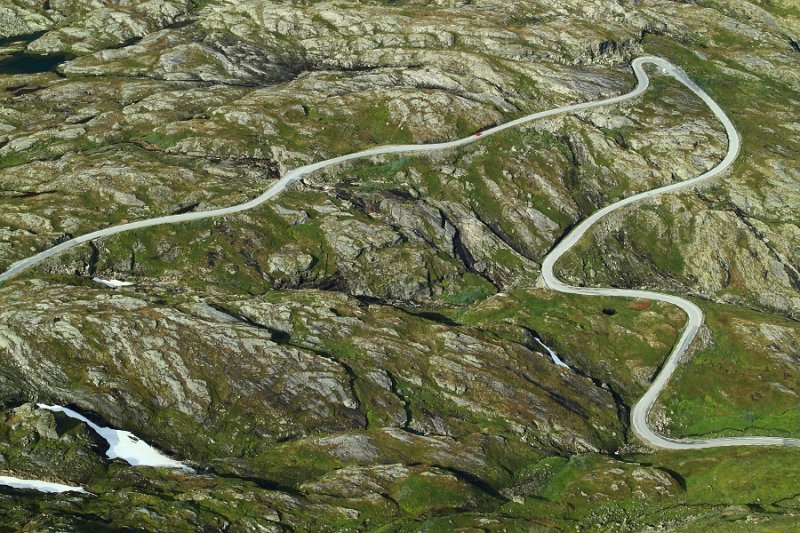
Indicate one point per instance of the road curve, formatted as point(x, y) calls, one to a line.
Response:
point(695, 315)
point(641, 409)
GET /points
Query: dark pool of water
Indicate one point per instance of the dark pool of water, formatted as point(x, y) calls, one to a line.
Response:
point(22, 63)
point(21, 39)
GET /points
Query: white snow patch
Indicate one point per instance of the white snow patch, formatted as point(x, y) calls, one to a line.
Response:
point(41, 486)
point(113, 283)
point(123, 444)
point(556, 359)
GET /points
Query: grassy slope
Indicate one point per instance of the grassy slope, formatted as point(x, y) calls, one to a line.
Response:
point(744, 383)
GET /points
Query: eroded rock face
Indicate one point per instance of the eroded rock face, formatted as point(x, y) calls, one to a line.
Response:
point(748, 263)
point(46, 445)
point(332, 359)
point(156, 358)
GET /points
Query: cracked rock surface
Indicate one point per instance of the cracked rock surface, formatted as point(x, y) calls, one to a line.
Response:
point(364, 351)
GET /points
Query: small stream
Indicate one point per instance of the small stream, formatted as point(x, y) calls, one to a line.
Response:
point(553, 355)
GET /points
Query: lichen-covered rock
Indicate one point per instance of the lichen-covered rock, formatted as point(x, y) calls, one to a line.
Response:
point(362, 350)
point(47, 445)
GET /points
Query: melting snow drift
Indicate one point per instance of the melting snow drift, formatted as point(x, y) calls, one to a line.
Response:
point(41, 486)
point(123, 444)
point(113, 283)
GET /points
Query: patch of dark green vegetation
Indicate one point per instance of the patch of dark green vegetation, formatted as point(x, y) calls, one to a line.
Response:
point(740, 383)
point(167, 140)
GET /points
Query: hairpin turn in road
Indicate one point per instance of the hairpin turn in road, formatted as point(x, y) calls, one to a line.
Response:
point(641, 410)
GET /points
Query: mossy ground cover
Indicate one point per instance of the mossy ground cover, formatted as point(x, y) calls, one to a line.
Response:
point(473, 289)
point(640, 247)
point(694, 491)
point(743, 383)
point(428, 494)
point(740, 384)
point(700, 490)
point(624, 348)
point(612, 346)
point(166, 140)
point(590, 490)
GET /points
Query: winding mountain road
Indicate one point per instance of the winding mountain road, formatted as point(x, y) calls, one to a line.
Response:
point(642, 408)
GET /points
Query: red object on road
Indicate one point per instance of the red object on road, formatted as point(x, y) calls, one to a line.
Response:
point(478, 134)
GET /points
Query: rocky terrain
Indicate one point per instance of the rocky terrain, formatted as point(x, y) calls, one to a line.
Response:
point(364, 352)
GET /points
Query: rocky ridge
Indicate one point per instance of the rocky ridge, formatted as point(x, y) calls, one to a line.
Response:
point(366, 342)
